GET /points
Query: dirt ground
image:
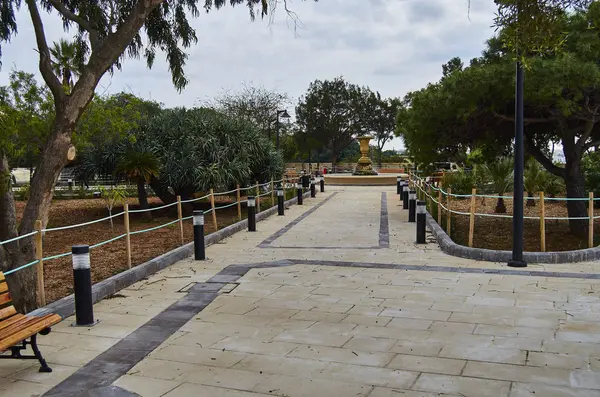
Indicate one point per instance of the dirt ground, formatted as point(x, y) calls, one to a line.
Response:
point(110, 259)
point(496, 233)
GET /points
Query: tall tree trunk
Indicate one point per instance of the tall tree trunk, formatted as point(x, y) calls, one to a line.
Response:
point(500, 206)
point(575, 184)
point(143, 198)
point(12, 255)
point(530, 200)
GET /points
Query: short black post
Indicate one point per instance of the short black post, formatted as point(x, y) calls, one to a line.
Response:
point(322, 185)
point(280, 199)
point(401, 190)
point(300, 192)
point(398, 184)
point(82, 279)
point(412, 205)
point(421, 222)
point(405, 197)
point(313, 189)
point(251, 214)
point(70, 182)
point(199, 249)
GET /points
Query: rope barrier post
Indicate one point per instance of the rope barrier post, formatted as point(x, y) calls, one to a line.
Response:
point(272, 193)
point(239, 203)
point(180, 216)
point(449, 213)
point(591, 224)
point(251, 214)
point(412, 206)
point(39, 253)
point(82, 279)
point(440, 206)
point(405, 191)
point(257, 197)
point(214, 211)
point(542, 223)
point(313, 190)
point(127, 234)
point(322, 182)
point(421, 217)
point(199, 249)
point(300, 192)
point(472, 217)
point(398, 187)
point(280, 200)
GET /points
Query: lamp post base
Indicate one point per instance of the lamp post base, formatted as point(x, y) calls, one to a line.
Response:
point(513, 263)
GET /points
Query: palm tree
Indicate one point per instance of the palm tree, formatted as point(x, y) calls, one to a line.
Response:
point(64, 54)
point(501, 172)
point(140, 166)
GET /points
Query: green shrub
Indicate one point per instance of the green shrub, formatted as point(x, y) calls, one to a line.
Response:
point(460, 182)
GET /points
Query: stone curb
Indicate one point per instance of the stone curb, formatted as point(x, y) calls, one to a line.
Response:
point(65, 307)
point(481, 254)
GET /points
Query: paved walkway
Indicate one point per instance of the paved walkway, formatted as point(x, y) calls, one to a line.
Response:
point(334, 299)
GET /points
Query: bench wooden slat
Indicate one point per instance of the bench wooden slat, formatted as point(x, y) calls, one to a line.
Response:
point(7, 312)
point(10, 321)
point(2, 276)
point(3, 287)
point(4, 298)
point(33, 328)
point(20, 323)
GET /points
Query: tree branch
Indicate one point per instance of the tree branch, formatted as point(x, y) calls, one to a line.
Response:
point(82, 22)
point(528, 120)
point(542, 159)
point(45, 61)
point(591, 144)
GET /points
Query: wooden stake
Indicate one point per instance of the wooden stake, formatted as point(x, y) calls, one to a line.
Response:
point(472, 217)
point(239, 203)
point(39, 254)
point(440, 207)
point(272, 193)
point(127, 235)
point(591, 227)
point(214, 211)
point(449, 213)
point(542, 223)
point(257, 197)
point(180, 216)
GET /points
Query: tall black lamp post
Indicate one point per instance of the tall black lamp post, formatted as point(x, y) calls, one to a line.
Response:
point(284, 115)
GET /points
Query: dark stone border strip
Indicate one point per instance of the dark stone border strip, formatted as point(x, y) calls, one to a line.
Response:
point(384, 230)
point(482, 254)
point(96, 377)
point(65, 307)
point(266, 243)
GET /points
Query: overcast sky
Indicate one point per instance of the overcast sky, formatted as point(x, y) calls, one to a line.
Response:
point(392, 46)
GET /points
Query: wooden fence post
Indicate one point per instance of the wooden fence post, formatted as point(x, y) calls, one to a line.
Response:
point(591, 223)
point(214, 211)
point(542, 223)
point(272, 193)
point(39, 254)
point(257, 197)
point(239, 203)
point(449, 213)
point(127, 235)
point(472, 217)
point(180, 216)
point(440, 206)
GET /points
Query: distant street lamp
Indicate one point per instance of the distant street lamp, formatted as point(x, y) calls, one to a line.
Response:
point(284, 115)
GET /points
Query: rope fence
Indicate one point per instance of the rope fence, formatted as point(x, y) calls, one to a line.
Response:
point(425, 188)
point(40, 232)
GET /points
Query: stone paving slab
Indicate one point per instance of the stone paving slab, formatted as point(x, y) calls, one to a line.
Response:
point(406, 320)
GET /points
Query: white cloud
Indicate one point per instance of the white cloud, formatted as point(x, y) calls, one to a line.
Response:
point(393, 46)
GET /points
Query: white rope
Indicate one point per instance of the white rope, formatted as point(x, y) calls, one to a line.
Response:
point(54, 229)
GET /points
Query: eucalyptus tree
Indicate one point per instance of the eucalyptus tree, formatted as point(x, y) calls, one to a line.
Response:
point(106, 32)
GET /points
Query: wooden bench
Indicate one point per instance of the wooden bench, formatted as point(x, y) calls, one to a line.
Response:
point(16, 328)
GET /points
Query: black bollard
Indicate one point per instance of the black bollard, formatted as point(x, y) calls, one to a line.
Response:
point(412, 205)
point(70, 182)
point(398, 184)
point(300, 192)
point(421, 222)
point(280, 199)
point(401, 190)
point(251, 214)
point(405, 190)
point(322, 185)
point(199, 249)
point(313, 190)
point(82, 279)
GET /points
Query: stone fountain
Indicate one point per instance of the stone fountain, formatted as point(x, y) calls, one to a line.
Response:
point(364, 167)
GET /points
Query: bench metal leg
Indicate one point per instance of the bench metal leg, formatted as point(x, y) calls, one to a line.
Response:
point(44, 367)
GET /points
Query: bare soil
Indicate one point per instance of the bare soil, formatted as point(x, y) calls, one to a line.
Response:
point(110, 259)
point(496, 233)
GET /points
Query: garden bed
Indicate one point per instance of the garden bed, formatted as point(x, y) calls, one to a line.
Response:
point(110, 258)
point(496, 233)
